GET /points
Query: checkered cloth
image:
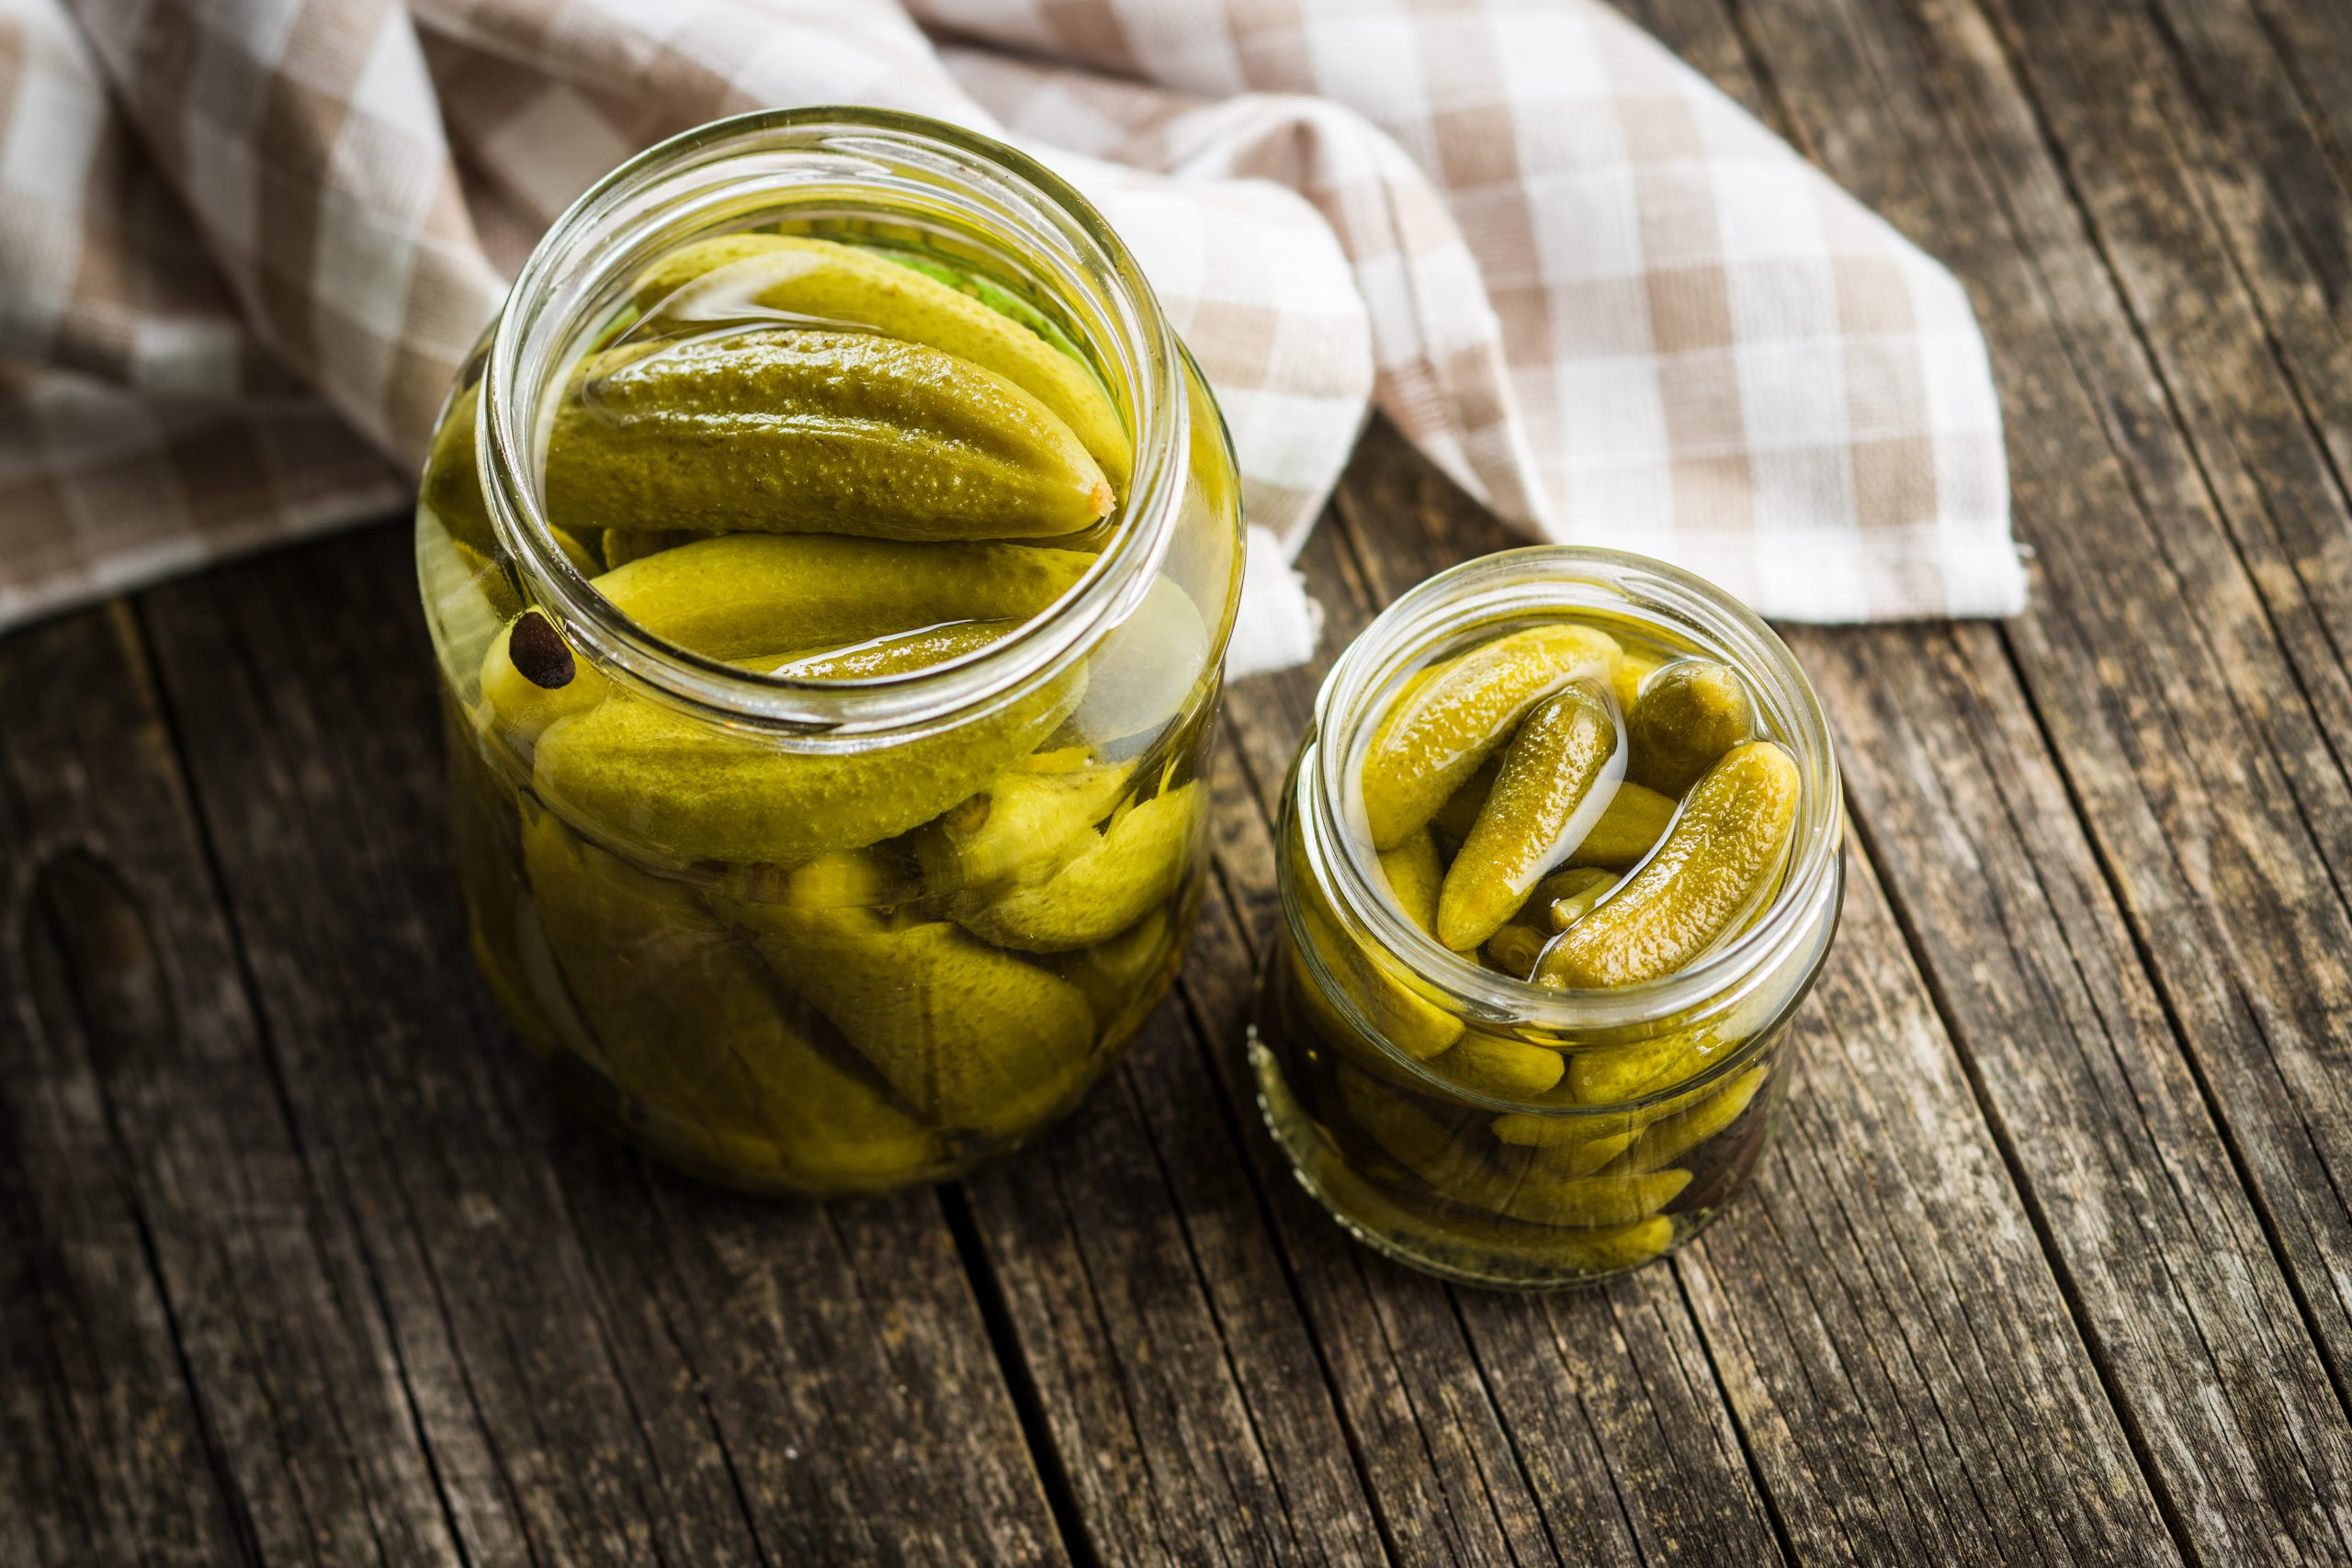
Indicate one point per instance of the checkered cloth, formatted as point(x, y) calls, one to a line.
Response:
point(244, 247)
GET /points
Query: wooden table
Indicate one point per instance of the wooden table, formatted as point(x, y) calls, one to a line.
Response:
point(2052, 1261)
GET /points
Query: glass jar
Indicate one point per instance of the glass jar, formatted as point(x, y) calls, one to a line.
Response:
point(1477, 1126)
point(795, 914)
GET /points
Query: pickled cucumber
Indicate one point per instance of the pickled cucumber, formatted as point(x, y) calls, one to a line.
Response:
point(1567, 896)
point(622, 546)
point(1717, 866)
point(1611, 1075)
point(1427, 1149)
point(1582, 1150)
point(1414, 875)
point(1668, 1139)
point(1455, 819)
point(890, 655)
point(1377, 982)
point(451, 491)
point(1689, 713)
point(970, 1036)
point(1439, 731)
point(815, 432)
point(1558, 775)
point(1380, 988)
point(1634, 668)
point(1637, 819)
point(452, 486)
point(736, 276)
point(1515, 949)
point(1115, 973)
point(1492, 1064)
point(688, 1029)
point(1137, 861)
point(1035, 817)
point(682, 790)
point(748, 596)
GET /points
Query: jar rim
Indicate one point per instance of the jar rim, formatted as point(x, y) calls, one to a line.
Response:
point(650, 204)
point(1529, 583)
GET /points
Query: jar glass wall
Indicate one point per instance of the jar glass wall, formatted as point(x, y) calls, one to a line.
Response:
point(1446, 1108)
point(829, 557)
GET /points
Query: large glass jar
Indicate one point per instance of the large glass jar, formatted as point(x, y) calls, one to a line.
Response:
point(1477, 1124)
point(828, 821)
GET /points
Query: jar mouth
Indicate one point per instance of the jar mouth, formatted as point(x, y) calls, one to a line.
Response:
point(848, 162)
point(1542, 581)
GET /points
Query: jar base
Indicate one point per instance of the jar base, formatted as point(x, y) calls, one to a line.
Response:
point(1381, 1224)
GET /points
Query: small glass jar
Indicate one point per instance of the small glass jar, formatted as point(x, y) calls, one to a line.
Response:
point(826, 934)
point(1401, 1078)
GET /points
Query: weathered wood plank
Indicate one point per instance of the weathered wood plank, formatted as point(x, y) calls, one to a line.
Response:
point(2255, 208)
point(1887, 1455)
point(1182, 1392)
point(2214, 266)
point(165, 1233)
point(2160, 1246)
point(2101, 1112)
point(2209, 790)
point(655, 1371)
point(1888, 1326)
point(2314, 56)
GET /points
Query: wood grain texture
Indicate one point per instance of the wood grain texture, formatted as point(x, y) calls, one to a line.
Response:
point(200, 1369)
point(299, 1263)
point(2016, 923)
point(608, 1365)
point(1893, 1347)
point(1184, 1399)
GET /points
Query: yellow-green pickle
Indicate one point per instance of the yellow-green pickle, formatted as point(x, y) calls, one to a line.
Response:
point(829, 557)
point(1559, 861)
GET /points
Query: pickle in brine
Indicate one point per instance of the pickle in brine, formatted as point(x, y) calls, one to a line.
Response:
point(1689, 713)
point(814, 432)
point(1559, 772)
point(824, 282)
point(1447, 722)
point(1717, 866)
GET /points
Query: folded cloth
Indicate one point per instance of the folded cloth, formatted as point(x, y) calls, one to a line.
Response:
point(245, 247)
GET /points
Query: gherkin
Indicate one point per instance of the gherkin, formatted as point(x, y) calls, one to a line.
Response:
point(1719, 862)
point(823, 281)
point(814, 432)
point(1456, 714)
point(1560, 772)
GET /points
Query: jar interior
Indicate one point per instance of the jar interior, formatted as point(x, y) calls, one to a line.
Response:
point(1445, 1106)
point(1660, 615)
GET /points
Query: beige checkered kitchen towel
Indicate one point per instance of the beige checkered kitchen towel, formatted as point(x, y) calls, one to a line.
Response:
point(243, 244)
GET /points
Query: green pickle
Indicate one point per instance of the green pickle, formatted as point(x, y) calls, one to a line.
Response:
point(816, 432)
point(1688, 714)
point(1445, 726)
point(1556, 777)
point(802, 964)
point(1575, 806)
